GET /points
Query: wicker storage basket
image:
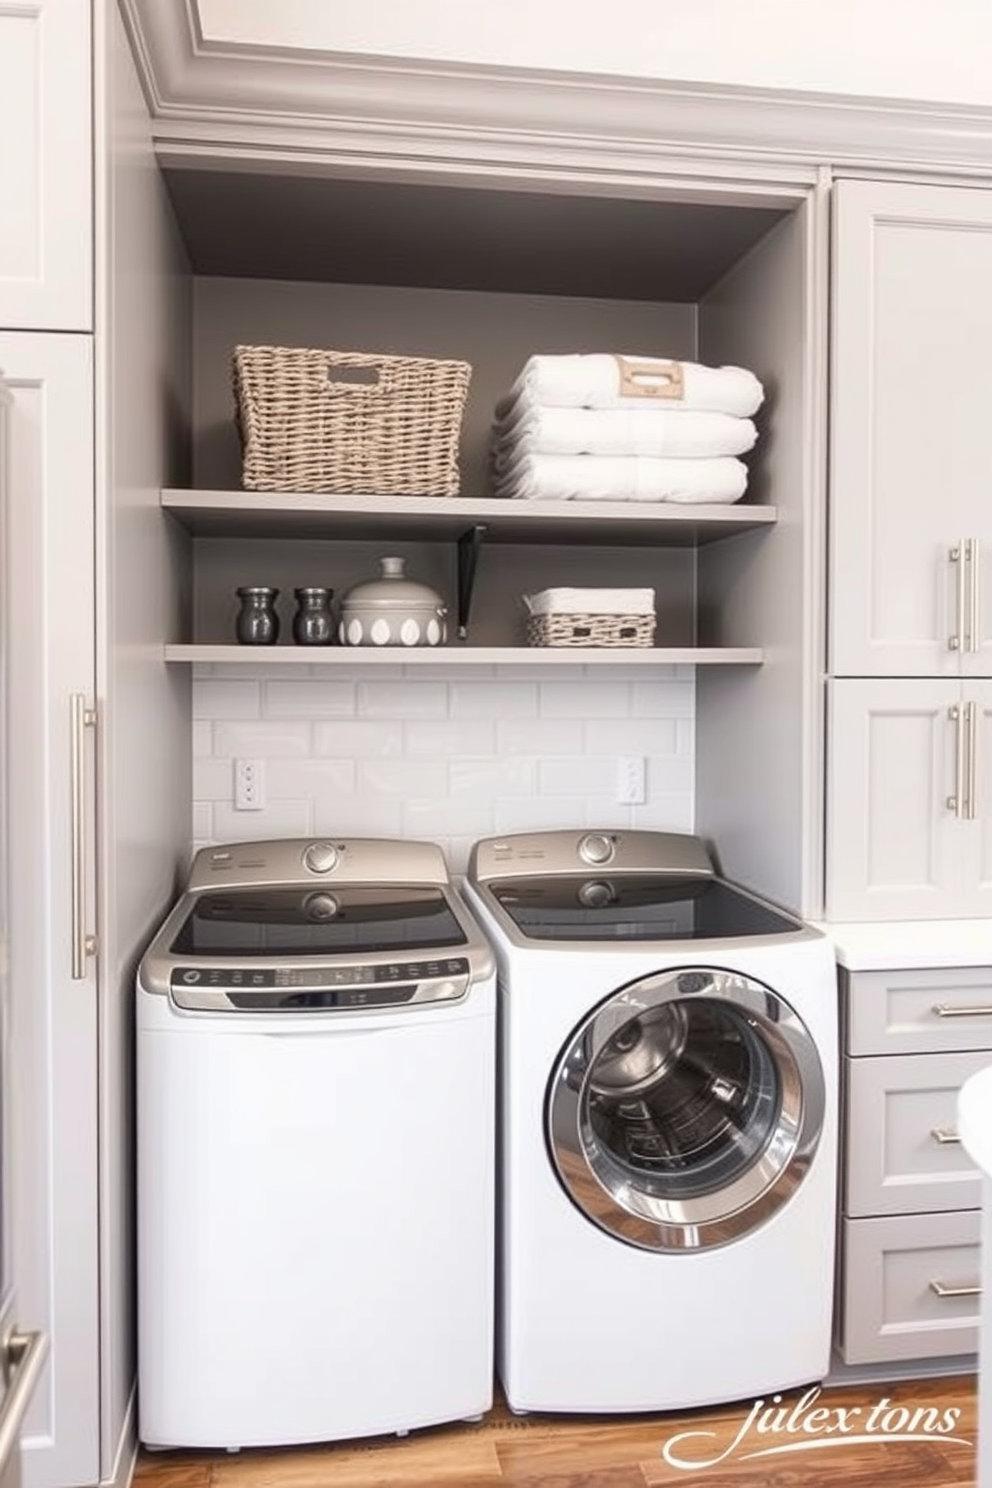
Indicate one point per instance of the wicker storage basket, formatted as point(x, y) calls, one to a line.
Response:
point(348, 422)
point(590, 630)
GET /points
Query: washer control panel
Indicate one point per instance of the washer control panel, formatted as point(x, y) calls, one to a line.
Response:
point(333, 987)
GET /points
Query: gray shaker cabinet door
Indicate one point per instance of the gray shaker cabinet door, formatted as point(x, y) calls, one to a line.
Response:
point(911, 390)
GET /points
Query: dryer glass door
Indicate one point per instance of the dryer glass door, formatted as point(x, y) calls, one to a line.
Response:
point(686, 1109)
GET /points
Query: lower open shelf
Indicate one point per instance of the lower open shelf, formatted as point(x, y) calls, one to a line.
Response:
point(359, 656)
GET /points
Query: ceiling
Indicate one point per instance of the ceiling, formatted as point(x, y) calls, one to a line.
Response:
point(257, 225)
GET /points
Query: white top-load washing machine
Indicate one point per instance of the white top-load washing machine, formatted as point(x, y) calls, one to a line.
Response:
point(315, 1101)
point(668, 1086)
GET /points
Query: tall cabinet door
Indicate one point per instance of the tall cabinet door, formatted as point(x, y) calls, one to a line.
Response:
point(911, 390)
point(46, 266)
point(49, 582)
point(977, 897)
point(897, 831)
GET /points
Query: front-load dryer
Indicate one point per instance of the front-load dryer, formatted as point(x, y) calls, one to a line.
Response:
point(668, 1129)
point(316, 1057)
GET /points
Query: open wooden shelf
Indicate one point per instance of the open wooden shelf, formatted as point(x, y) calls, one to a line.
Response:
point(441, 518)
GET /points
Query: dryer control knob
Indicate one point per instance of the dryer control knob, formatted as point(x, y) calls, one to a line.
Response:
point(320, 857)
point(596, 847)
point(321, 907)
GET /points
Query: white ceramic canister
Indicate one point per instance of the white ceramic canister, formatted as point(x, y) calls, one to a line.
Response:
point(392, 611)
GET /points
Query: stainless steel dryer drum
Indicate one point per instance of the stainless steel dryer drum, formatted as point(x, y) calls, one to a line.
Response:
point(316, 1108)
point(669, 1094)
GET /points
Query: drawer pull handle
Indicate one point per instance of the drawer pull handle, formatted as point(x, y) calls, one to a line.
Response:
point(941, 1289)
point(944, 1135)
point(945, 1010)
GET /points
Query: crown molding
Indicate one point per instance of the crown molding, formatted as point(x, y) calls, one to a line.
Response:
point(205, 96)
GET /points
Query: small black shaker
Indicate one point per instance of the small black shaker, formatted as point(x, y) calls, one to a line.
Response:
point(257, 623)
point(313, 623)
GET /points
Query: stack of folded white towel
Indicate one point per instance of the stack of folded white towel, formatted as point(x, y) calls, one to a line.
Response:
point(606, 427)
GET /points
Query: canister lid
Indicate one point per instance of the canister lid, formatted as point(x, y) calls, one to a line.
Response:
point(393, 590)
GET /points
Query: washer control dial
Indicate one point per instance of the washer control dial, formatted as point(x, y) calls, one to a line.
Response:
point(321, 907)
point(596, 847)
point(320, 857)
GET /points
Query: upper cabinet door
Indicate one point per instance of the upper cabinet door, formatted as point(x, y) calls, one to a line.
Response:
point(46, 177)
point(911, 413)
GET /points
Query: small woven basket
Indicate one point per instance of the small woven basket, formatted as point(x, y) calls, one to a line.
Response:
point(590, 630)
point(348, 422)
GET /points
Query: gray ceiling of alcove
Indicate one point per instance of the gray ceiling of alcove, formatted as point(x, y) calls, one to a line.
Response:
point(249, 225)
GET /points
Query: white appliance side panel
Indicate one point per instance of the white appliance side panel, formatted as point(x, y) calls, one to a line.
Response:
point(894, 847)
point(49, 574)
point(316, 1212)
point(46, 170)
point(144, 370)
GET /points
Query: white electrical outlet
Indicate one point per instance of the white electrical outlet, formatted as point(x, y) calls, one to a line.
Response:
point(630, 780)
point(249, 784)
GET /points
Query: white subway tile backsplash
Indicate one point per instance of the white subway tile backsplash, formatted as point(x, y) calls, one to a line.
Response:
point(451, 737)
point(538, 736)
point(310, 697)
point(357, 739)
point(418, 699)
point(279, 819)
point(497, 699)
point(523, 814)
point(263, 738)
point(359, 816)
point(214, 779)
point(663, 699)
point(203, 739)
point(223, 699)
point(403, 777)
point(489, 779)
point(318, 780)
point(432, 820)
point(618, 736)
point(585, 776)
point(449, 755)
point(585, 699)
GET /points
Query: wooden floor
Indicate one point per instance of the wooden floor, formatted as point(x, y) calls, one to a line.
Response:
point(506, 1451)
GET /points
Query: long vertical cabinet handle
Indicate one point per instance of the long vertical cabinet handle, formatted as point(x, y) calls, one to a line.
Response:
point(23, 1354)
point(955, 803)
point(972, 627)
point(970, 731)
point(80, 719)
point(955, 555)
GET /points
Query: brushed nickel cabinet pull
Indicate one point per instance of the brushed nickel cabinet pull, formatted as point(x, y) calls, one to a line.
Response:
point(944, 1135)
point(954, 555)
point(972, 639)
point(955, 802)
point(80, 719)
point(23, 1356)
point(971, 757)
point(941, 1289)
point(947, 1010)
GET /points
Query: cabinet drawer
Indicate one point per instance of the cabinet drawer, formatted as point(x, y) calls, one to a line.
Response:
point(891, 1271)
point(914, 1012)
point(901, 1121)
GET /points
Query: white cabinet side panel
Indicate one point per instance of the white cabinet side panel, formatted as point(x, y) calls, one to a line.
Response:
point(145, 763)
point(45, 165)
point(49, 571)
point(893, 844)
point(759, 733)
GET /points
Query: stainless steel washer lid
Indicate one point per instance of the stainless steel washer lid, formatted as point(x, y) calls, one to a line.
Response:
point(316, 925)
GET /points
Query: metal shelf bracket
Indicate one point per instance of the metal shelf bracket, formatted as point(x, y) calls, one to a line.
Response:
point(469, 547)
